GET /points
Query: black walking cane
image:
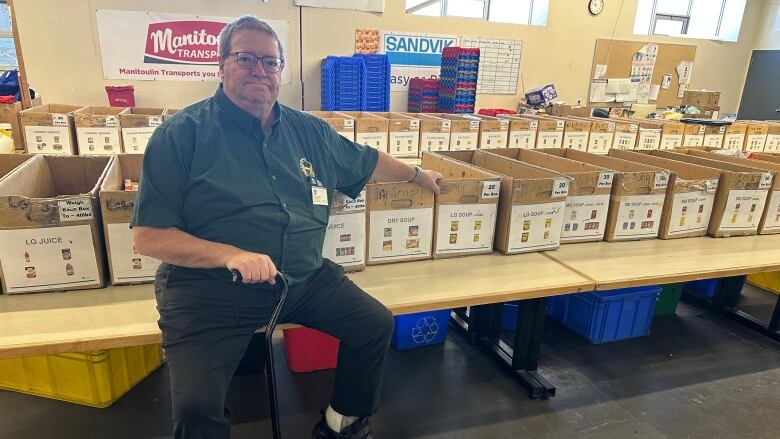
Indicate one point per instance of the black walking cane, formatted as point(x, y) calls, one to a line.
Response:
point(270, 373)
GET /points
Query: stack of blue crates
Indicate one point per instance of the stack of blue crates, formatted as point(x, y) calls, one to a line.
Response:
point(355, 83)
point(377, 82)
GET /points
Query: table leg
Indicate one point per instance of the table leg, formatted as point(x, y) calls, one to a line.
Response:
point(484, 323)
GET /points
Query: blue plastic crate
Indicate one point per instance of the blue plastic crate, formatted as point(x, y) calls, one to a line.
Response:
point(420, 329)
point(703, 288)
point(604, 316)
point(509, 315)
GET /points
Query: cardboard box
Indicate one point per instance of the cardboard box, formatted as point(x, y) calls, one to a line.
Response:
point(576, 133)
point(713, 136)
point(734, 136)
point(772, 137)
point(169, 112)
point(116, 206)
point(345, 237)
point(549, 132)
point(587, 205)
point(403, 134)
point(740, 199)
point(626, 134)
point(672, 133)
point(648, 135)
point(464, 132)
point(701, 98)
point(50, 229)
point(9, 162)
point(693, 135)
point(522, 132)
point(493, 131)
point(564, 110)
point(97, 130)
point(540, 95)
point(466, 209)
point(137, 126)
point(400, 223)
point(690, 194)
point(343, 124)
point(530, 206)
point(434, 132)
point(602, 135)
point(755, 138)
point(9, 113)
point(49, 129)
point(637, 198)
point(370, 129)
point(770, 220)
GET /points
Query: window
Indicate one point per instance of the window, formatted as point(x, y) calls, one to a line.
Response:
point(7, 48)
point(532, 12)
point(705, 19)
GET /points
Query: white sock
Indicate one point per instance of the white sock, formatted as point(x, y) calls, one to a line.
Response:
point(336, 421)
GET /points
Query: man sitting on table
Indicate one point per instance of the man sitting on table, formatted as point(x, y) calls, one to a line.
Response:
point(241, 182)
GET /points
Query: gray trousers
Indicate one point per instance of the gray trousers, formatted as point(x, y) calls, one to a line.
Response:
point(208, 323)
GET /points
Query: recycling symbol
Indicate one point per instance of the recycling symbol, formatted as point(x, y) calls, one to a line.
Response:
point(425, 330)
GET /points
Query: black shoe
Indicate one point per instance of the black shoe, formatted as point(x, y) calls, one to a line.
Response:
point(357, 430)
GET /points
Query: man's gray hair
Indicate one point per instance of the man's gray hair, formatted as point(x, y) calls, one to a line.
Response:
point(245, 22)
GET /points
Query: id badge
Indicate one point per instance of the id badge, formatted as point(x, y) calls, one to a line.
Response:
point(319, 196)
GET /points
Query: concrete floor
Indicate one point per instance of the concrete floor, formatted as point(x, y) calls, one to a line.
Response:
point(695, 376)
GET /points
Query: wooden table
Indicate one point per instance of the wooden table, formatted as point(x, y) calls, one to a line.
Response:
point(74, 321)
point(628, 264)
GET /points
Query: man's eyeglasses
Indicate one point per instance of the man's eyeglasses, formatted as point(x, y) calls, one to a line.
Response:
point(249, 60)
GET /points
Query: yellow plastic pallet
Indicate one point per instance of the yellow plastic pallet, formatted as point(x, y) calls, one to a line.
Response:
point(94, 378)
point(767, 281)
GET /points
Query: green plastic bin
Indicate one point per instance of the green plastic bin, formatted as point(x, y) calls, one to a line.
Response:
point(668, 299)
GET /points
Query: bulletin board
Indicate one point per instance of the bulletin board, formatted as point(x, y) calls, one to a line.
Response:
point(618, 57)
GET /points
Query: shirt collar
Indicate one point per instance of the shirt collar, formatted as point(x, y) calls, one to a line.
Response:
point(244, 119)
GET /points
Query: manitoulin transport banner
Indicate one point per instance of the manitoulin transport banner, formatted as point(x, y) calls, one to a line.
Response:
point(169, 47)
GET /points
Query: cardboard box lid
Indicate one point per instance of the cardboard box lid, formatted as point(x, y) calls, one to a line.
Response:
point(399, 122)
point(117, 203)
point(759, 165)
point(170, 111)
point(431, 124)
point(367, 122)
point(643, 124)
point(141, 117)
point(757, 128)
point(546, 124)
point(734, 176)
point(519, 123)
point(336, 120)
point(98, 116)
point(584, 176)
point(32, 193)
point(52, 108)
point(686, 171)
point(9, 162)
point(45, 115)
point(460, 124)
point(397, 196)
point(463, 183)
point(737, 128)
point(575, 124)
point(489, 123)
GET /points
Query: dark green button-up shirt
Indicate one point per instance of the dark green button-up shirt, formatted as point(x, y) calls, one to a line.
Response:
point(211, 172)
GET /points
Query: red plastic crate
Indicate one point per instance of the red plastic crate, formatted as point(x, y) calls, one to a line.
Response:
point(308, 350)
point(495, 111)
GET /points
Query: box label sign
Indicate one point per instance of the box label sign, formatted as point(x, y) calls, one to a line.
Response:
point(773, 212)
point(48, 140)
point(345, 239)
point(98, 141)
point(691, 212)
point(661, 180)
point(755, 142)
point(766, 181)
point(600, 143)
point(413, 55)
point(400, 234)
point(374, 140)
point(435, 141)
point(348, 134)
point(638, 216)
point(625, 140)
point(772, 143)
point(696, 140)
point(136, 139)
point(465, 228)
point(158, 46)
point(743, 209)
point(353, 205)
point(549, 139)
point(75, 209)
point(585, 217)
point(59, 120)
point(535, 226)
point(405, 144)
point(671, 141)
point(605, 179)
point(490, 189)
point(649, 139)
point(493, 140)
point(733, 141)
point(560, 188)
point(713, 140)
point(576, 140)
point(127, 266)
point(525, 139)
point(48, 259)
point(463, 141)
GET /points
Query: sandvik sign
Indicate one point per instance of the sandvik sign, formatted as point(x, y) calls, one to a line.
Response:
point(156, 46)
point(414, 55)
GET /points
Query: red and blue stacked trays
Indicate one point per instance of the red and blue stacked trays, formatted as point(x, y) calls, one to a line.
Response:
point(458, 80)
point(423, 95)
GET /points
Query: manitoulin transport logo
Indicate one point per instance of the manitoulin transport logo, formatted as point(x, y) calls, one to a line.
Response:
point(183, 42)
